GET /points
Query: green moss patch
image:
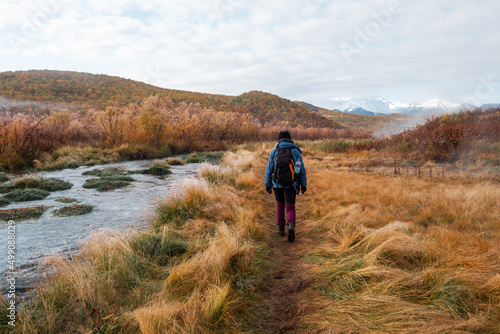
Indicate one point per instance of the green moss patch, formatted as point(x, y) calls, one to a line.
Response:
point(104, 172)
point(73, 210)
point(4, 202)
point(108, 183)
point(23, 213)
point(25, 195)
point(157, 171)
point(67, 200)
point(203, 157)
point(30, 182)
point(157, 168)
point(157, 247)
point(4, 177)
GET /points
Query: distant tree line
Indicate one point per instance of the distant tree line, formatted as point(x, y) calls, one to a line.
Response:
point(157, 124)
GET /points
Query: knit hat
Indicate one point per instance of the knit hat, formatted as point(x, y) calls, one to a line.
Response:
point(284, 134)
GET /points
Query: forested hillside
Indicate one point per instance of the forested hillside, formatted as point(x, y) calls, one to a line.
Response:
point(81, 91)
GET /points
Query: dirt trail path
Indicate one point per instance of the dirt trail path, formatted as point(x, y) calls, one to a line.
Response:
point(283, 285)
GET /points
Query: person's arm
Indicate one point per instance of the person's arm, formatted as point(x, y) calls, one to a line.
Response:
point(302, 177)
point(268, 182)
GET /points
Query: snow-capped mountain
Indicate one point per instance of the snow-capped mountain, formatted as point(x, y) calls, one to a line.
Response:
point(439, 104)
point(371, 105)
point(383, 106)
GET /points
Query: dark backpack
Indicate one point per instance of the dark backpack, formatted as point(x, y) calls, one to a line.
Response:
point(283, 170)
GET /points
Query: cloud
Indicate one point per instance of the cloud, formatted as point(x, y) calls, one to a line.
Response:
point(291, 48)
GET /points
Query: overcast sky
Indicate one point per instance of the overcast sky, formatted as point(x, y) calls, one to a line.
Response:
point(314, 51)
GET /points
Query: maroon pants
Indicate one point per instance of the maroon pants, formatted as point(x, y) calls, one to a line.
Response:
point(285, 199)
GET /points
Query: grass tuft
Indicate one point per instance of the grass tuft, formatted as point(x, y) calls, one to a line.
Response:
point(49, 184)
point(203, 157)
point(216, 308)
point(175, 162)
point(23, 213)
point(185, 202)
point(157, 170)
point(4, 177)
point(103, 172)
point(217, 175)
point(67, 200)
point(4, 201)
point(25, 195)
point(157, 247)
point(108, 183)
point(6, 316)
point(329, 147)
point(73, 210)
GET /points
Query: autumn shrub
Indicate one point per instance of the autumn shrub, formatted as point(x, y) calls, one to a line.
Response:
point(442, 138)
point(155, 128)
point(76, 156)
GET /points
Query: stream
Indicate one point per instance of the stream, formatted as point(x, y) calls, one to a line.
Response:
point(122, 209)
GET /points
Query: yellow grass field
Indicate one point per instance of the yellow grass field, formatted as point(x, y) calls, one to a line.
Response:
point(375, 252)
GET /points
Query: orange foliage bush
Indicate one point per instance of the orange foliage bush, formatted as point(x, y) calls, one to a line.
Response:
point(439, 138)
point(156, 123)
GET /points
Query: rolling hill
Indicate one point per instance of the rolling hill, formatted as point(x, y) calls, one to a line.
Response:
point(84, 90)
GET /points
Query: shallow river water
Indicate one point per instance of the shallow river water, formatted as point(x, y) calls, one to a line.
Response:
point(121, 209)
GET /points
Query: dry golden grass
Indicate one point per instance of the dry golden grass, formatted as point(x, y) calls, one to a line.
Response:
point(404, 254)
point(186, 275)
point(377, 252)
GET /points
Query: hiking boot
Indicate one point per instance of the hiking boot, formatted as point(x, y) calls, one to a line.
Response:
point(291, 231)
point(281, 230)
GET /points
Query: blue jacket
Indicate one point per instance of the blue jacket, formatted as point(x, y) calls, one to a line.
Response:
point(296, 154)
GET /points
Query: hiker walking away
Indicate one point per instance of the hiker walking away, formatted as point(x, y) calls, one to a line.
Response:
point(286, 175)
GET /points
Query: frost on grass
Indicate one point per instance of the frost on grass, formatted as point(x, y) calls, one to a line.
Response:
point(4, 177)
point(4, 202)
point(108, 183)
point(73, 210)
point(185, 201)
point(35, 182)
point(67, 200)
point(25, 195)
point(23, 213)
